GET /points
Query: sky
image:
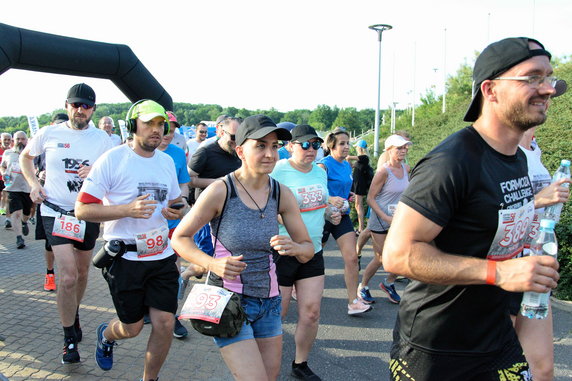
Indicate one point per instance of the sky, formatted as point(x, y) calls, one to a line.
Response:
point(288, 55)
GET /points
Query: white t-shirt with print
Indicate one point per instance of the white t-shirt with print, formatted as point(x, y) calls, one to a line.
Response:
point(66, 149)
point(120, 176)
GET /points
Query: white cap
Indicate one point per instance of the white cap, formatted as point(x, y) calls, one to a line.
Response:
point(395, 141)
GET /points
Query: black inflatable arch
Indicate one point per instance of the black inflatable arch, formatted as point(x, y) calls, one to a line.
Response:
point(36, 51)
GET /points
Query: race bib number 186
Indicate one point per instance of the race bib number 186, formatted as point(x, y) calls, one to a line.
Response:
point(69, 227)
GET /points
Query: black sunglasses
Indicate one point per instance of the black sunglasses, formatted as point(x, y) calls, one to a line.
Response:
point(82, 105)
point(232, 136)
point(306, 145)
point(202, 132)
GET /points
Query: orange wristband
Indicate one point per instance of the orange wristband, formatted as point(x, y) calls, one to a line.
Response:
point(491, 272)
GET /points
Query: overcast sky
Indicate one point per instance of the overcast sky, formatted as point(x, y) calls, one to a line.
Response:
point(282, 54)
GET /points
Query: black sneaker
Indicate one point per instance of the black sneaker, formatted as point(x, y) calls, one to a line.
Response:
point(7, 224)
point(303, 372)
point(25, 228)
point(179, 331)
point(20, 242)
point(71, 355)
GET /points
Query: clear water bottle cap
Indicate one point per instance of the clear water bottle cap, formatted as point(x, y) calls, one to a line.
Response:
point(565, 163)
point(549, 224)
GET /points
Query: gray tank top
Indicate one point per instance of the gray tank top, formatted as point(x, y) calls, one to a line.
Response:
point(388, 198)
point(240, 230)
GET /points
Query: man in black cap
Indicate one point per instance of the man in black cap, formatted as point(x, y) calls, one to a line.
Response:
point(210, 162)
point(461, 222)
point(71, 147)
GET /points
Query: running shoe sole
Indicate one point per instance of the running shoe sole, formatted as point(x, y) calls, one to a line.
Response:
point(388, 291)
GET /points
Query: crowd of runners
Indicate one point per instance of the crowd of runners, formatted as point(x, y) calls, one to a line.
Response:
point(251, 208)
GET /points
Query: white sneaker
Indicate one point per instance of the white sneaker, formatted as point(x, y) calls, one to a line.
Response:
point(358, 307)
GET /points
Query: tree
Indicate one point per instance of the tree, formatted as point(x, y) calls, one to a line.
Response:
point(349, 119)
point(322, 118)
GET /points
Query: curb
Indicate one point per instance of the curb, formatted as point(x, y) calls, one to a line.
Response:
point(561, 304)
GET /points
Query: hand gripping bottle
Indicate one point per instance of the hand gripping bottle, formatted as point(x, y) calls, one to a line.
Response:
point(563, 172)
point(535, 305)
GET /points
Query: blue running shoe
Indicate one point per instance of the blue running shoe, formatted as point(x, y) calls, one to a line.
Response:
point(365, 296)
point(103, 350)
point(390, 289)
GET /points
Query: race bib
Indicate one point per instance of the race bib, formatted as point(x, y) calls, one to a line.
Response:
point(153, 242)
point(69, 227)
point(513, 227)
point(310, 197)
point(391, 209)
point(205, 303)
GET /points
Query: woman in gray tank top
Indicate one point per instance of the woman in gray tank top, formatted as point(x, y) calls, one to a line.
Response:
point(386, 187)
point(245, 206)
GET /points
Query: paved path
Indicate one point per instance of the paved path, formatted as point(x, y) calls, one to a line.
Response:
point(347, 348)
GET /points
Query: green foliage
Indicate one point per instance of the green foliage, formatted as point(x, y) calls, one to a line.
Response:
point(322, 118)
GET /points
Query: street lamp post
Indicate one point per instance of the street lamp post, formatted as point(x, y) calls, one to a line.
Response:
point(379, 28)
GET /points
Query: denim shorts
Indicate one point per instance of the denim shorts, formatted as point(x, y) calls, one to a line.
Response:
point(262, 320)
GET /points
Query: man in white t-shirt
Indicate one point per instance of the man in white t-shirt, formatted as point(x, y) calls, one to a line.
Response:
point(130, 190)
point(107, 124)
point(71, 148)
point(201, 131)
point(19, 202)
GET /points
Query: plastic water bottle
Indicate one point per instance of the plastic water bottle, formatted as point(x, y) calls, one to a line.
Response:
point(7, 180)
point(535, 305)
point(563, 172)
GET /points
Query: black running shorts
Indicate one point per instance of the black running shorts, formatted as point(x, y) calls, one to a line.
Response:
point(19, 201)
point(289, 270)
point(345, 226)
point(91, 235)
point(137, 285)
point(408, 363)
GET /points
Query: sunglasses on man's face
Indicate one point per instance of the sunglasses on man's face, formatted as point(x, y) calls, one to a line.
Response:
point(82, 105)
point(202, 132)
point(306, 145)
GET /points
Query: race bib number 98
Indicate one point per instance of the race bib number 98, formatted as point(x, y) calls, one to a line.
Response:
point(153, 242)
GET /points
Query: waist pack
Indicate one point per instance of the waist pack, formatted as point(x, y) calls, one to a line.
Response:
point(214, 311)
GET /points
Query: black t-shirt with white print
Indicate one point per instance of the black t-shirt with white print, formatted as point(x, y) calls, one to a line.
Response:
point(483, 200)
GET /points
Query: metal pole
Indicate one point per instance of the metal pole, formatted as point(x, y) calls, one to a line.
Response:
point(414, 74)
point(379, 28)
point(445, 71)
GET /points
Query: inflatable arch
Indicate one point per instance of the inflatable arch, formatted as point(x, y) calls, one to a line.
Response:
point(30, 50)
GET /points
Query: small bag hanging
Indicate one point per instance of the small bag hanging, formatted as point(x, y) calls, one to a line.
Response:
point(214, 311)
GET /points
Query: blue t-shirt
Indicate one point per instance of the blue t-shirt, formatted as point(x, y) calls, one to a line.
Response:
point(180, 160)
point(340, 178)
point(283, 153)
point(311, 192)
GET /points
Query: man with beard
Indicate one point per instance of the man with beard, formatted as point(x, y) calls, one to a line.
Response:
point(462, 221)
point(210, 162)
point(19, 202)
point(5, 144)
point(71, 148)
point(131, 190)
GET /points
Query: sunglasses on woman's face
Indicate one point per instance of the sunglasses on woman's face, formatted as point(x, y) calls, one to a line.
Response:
point(306, 145)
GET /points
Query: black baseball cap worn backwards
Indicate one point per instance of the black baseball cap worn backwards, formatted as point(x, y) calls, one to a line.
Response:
point(81, 93)
point(497, 58)
point(257, 127)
